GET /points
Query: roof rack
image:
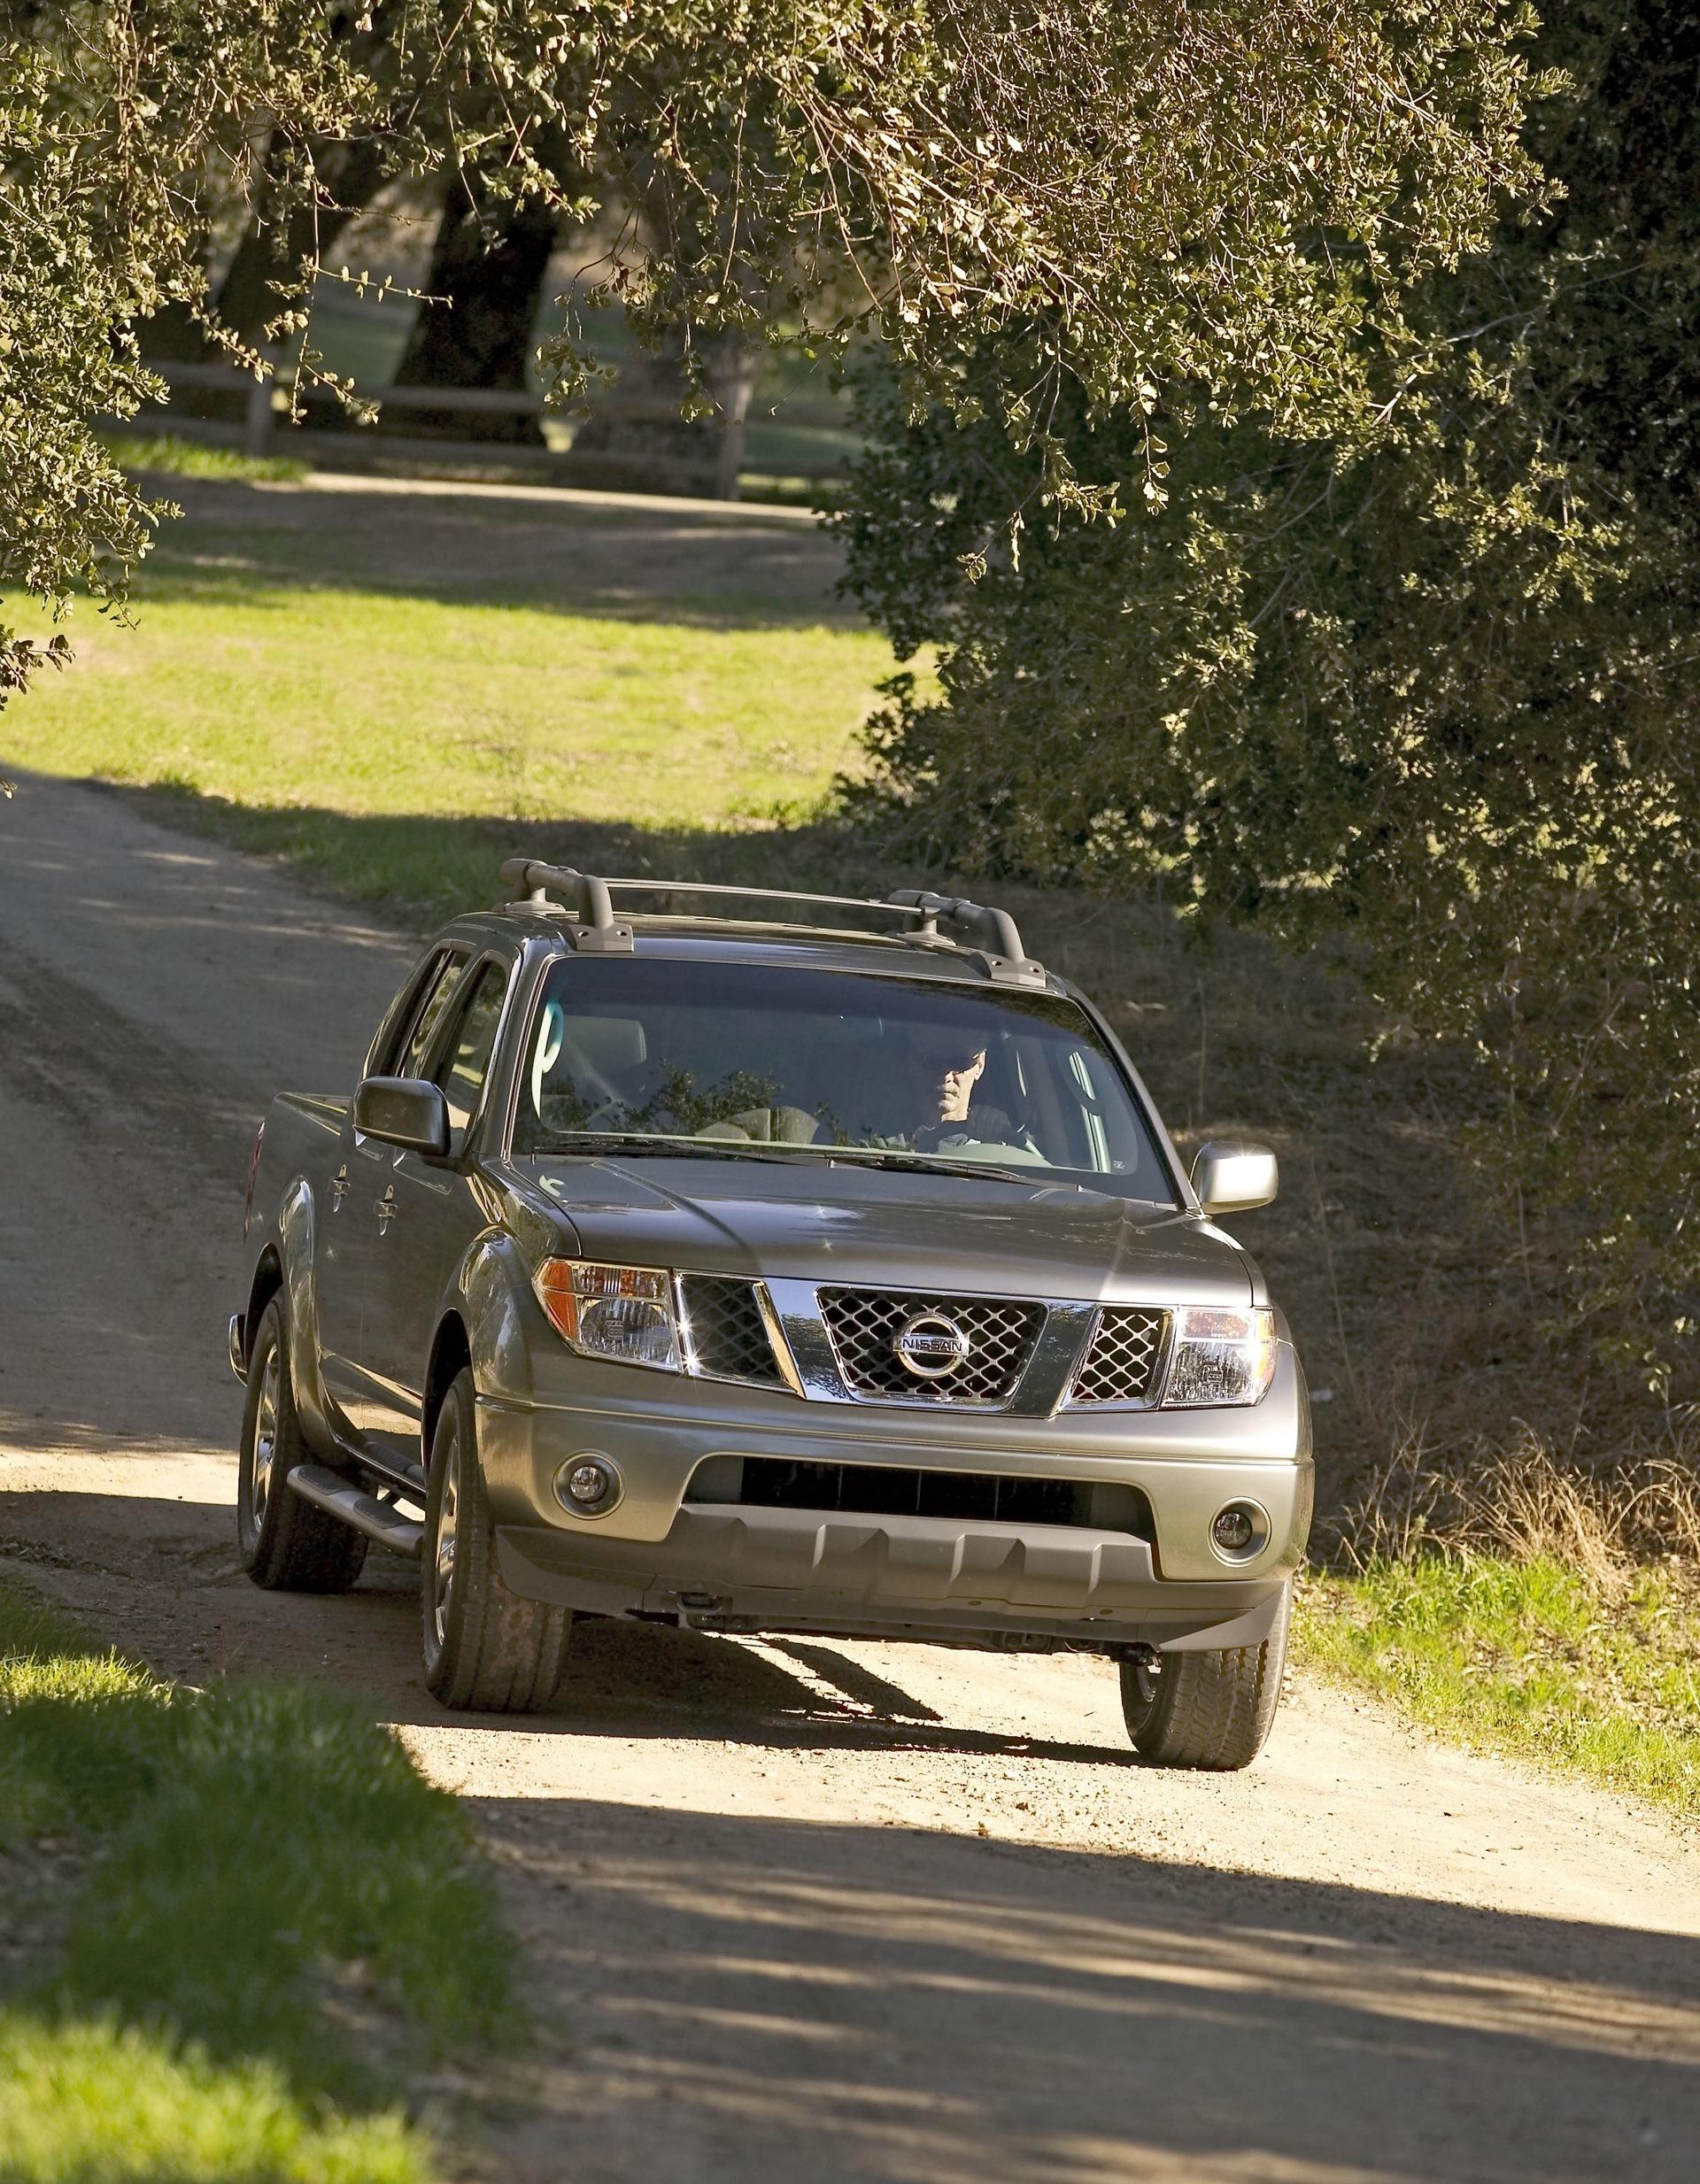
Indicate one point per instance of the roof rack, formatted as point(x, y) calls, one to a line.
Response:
point(990, 936)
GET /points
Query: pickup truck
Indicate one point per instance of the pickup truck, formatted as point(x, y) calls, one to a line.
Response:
point(748, 1263)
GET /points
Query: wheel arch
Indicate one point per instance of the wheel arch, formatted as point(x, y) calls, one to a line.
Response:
point(450, 1354)
point(268, 1280)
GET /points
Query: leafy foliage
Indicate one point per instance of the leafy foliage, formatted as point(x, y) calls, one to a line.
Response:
point(108, 116)
point(1416, 678)
point(1223, 192)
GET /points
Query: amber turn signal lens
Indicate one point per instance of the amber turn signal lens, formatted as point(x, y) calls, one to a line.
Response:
point(558, 1296)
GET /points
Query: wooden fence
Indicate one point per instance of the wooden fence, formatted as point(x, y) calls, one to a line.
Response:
point(260, 427)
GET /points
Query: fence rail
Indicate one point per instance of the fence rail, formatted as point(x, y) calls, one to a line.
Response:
point(259, 424)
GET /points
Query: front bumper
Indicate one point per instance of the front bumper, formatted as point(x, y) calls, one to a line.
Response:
point(733, 1566)
point(1025, 1587)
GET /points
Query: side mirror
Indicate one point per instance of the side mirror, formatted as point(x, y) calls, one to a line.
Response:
point(1232, 1179)
point(404, 1111)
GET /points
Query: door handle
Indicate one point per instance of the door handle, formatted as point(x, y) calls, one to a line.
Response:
point(339, 1186)
point(387, 1209)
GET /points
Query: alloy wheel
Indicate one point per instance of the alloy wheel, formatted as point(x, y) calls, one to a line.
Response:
point(259, 1485)
point(1141, 1687)
point(442, 1560)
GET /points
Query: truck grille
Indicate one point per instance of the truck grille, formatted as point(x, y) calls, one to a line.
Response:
point(997, 1335)
point(897, 1490)
point(1122, 1360)
point(724, 1330)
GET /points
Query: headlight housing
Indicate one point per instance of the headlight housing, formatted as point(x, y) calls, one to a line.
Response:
point(1220, 1357)
point(625, 1314)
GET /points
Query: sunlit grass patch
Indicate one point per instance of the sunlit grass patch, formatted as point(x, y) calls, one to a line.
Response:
point(372, 704)
point(94, 2103)
point(261, 1883)
point(177, 457)
point(1528, 1657)
point(74, 1724)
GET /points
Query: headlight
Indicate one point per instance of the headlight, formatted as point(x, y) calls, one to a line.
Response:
point(623, 1313)
point(1220, 1357)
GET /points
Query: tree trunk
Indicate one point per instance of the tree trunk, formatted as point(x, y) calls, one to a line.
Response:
point(480, 334)
point(733, 364)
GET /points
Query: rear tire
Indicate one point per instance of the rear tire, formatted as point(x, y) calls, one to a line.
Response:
point(287, 1545)
point(485, 1647)
point(1209, 1710)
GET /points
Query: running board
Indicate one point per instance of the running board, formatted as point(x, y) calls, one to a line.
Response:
point(378, 1520)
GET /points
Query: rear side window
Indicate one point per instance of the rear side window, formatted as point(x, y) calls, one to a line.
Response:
point(438, 992)
point(466, 1060)
point(399, 1016)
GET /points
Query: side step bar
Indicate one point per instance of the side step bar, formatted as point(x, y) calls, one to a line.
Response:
point(378, 1520)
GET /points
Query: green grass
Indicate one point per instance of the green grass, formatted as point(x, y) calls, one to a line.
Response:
point(168, 452)
point(273, 1925)
point(284, 709)
point(96, 2102)
point(1527, 1658)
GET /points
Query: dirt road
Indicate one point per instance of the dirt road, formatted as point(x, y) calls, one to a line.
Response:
point(801, 1910)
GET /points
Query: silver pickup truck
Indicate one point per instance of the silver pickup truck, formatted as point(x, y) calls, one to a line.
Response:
point(758, 1264)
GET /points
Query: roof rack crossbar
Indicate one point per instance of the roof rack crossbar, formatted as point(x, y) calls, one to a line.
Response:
point(993, 935)
point(765, 894)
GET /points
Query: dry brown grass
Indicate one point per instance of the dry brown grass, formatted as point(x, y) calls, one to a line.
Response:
point(1523, 1500)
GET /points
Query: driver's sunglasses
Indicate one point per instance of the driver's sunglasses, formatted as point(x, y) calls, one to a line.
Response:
point(953, 1060)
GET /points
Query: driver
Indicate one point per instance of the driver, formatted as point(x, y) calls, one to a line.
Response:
point(941, 1069)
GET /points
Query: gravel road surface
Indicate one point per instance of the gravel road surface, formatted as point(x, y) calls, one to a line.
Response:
point(796, 1910)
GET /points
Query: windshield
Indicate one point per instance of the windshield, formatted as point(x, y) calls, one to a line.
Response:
point(633, 1056)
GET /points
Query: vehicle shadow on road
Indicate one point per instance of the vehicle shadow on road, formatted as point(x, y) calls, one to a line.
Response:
point(632, 1680)
point(773, 1998)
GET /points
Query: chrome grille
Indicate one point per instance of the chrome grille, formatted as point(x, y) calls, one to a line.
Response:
point(1121, 1364)
point(864, 1324)
point(724, 1330)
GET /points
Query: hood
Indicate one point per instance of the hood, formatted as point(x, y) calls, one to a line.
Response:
point(875, 1227)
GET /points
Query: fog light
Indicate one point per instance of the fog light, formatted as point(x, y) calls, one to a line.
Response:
point(1238, 1531)
point(587, 1486)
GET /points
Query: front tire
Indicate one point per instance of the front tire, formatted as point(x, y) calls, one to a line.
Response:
point(485, 1647)
point(1211, 1709)
point(287, 1545)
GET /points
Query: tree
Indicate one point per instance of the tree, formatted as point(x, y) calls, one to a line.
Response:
point(106, 116)
point(1417, 677)
point(1228, 194)
point(475, 330)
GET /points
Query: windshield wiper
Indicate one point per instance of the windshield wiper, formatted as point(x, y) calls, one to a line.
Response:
point(598, 1144)
point(909, 1162)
